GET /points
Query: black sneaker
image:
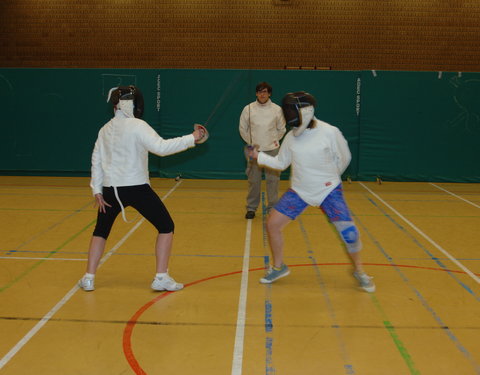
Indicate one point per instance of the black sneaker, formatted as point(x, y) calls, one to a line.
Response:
point(250, 215)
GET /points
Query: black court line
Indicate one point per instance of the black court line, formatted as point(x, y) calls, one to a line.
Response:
point(197, 324)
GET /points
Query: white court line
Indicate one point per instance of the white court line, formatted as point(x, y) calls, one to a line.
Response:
point(242, 306)
point(455, 195)
point(29, 258)
point(69, 295)
point(445, 252)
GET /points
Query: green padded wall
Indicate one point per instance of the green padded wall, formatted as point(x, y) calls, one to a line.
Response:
point(218, 97)
point(402, 126)
point(422, 126)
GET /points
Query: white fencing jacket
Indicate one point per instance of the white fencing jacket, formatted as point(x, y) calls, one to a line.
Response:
point(318, 158)
point(120, 156)
point(262, 125)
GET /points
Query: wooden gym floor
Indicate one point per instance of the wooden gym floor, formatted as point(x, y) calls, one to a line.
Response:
point(421, 244)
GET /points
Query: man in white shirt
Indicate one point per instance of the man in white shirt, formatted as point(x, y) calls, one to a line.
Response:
point(120, 178)
point(318, 154)
point(262, 124)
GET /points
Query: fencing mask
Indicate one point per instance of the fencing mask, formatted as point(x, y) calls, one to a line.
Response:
point(128, 99)
point(298, 110)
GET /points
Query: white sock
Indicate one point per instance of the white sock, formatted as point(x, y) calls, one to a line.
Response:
point(89, 275)
point(161, 274)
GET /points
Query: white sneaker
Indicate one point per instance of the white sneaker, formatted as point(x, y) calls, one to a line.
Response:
point(87, 284)
point(365, 281)
point(165, 283)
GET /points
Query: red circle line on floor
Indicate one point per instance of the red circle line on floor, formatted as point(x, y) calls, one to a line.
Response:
point(128, 331)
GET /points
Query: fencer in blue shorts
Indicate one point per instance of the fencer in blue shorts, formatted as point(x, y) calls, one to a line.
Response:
point(318, 154)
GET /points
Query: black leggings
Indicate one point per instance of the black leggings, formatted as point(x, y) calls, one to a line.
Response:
point(140, 197)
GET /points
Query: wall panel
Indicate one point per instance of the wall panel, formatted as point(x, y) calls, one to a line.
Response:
point(427, 35)
point(403, 126)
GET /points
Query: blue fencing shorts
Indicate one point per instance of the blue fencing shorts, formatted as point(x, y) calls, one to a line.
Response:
point(334, 205)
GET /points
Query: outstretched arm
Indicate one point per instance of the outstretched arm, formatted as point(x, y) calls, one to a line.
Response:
point(163, 147)
point(279, 162)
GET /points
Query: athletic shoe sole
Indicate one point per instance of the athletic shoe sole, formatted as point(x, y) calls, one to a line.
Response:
point(269, 281)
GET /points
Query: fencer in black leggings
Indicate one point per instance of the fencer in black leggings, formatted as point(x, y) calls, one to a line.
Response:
point(140, 197)
point(120, 178)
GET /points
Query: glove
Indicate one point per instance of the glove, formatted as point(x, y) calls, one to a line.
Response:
point(203, 131)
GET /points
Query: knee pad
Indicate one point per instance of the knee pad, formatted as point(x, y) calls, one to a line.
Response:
point(349, 234)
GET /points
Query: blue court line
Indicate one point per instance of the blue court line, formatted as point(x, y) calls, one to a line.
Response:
point(424, 201)
point(423, 301)
point(435, 258)
point(385, 320)
point(416, 242)
point(347, 365)
point(269, 367)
